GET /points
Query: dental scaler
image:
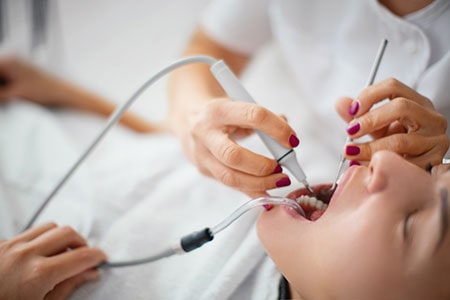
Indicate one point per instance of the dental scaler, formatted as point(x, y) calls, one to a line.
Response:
point(235, 90)
point(192, 241)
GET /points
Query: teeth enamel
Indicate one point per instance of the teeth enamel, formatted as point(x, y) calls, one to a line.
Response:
point(312, 201)
point(339, 179)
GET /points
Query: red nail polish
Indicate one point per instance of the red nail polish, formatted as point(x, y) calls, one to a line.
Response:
point(278, 169)
point(353, 128)
point(353, 110)
point(354, 163)
point(285, 181)
point(267, 207)
point(293, 141)
point(352, 150)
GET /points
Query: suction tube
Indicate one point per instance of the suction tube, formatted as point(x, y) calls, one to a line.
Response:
point(197, 239)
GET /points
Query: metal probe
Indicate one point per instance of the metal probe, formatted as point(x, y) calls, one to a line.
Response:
point(370, 81)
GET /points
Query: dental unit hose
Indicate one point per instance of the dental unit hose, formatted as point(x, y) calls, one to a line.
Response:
point(232, 87)
point(113, 119)
point(197, 239)
point(235, 90)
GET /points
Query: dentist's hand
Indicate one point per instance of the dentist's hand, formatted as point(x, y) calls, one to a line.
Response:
point(209, 142)
point(408, 124)
point(207, 123)
point(46, 262)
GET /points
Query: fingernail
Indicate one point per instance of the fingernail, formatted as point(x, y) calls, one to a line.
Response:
point(285, 181)
point(267, 207)
point(354, 108)
point(354, 163)
point(352, 150)
point(293, 141)
point(353, 128)
point(278, 169)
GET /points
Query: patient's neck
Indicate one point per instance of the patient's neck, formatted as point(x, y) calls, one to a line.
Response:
point(405, 7)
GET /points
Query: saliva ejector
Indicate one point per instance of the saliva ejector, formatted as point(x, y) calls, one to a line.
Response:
point(285, 157)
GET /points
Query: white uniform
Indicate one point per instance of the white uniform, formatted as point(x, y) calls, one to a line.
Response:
point(329, 48)
point(330, 54)
point(160, 196)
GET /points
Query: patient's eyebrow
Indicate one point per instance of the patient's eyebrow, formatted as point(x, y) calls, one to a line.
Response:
point(443, 217)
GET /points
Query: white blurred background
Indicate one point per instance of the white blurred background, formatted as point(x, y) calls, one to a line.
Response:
point(111, 47)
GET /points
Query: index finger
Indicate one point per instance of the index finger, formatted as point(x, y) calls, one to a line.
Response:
point(388, 89)
point(57, 240)
point(73, 262)
point(249, 115)
point(34, 232)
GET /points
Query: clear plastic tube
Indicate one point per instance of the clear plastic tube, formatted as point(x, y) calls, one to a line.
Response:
point(198, 238)
point(272, 200)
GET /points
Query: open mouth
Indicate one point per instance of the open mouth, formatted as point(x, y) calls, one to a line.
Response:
point(314, 207)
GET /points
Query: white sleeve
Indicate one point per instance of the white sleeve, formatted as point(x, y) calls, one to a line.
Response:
point(239, 25)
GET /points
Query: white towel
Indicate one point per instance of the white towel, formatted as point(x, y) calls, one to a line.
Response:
point(134, 195)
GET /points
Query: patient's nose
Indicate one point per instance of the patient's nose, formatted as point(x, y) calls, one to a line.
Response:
point(382, 166)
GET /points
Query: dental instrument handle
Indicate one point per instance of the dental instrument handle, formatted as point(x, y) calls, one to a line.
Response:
point(236, 91)
point(112, 120)
point(370, 80)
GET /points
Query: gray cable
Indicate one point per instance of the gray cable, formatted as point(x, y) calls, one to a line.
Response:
point(197, 239)
point(113, 119)
point(164, 253)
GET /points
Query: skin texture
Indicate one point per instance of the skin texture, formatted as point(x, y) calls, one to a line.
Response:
point(404, 7)
point(19, 79)
point(198, 116)
point(37, 264)
point(408, 124)
point(358, 249)
point(207, 123)
point(46, 262)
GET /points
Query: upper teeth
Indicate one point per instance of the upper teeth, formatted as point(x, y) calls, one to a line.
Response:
point(312, 201)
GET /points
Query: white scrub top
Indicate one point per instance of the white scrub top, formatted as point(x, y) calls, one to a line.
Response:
point(329, 48)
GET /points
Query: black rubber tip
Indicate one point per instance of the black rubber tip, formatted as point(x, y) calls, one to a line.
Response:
point(196, 239)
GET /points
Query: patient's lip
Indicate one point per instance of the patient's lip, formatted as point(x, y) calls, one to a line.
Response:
point(343, 181)
point(293, 213)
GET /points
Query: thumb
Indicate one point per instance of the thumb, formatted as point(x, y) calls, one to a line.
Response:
point(65, 288)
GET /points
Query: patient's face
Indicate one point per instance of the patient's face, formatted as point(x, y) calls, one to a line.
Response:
point(383, 236)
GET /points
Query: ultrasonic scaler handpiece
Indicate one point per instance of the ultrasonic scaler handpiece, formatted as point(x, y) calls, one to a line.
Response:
point(235, 90)
point(193, 240)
